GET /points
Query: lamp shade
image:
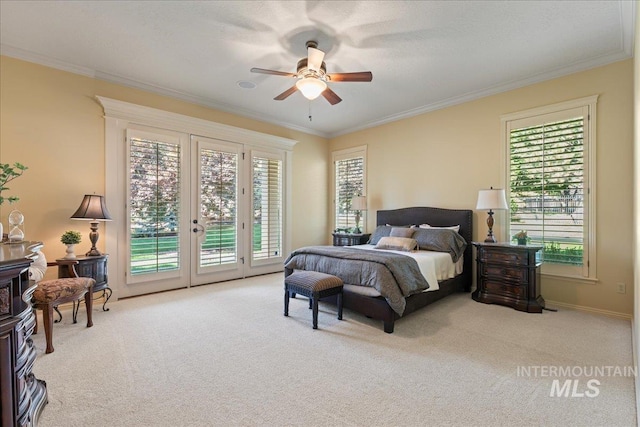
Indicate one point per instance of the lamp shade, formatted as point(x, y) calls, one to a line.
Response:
point(311, 87)
point(492, 199)
point(92, 207)
point(359, 203)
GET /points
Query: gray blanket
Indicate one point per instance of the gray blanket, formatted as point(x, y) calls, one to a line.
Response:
point(395, 276)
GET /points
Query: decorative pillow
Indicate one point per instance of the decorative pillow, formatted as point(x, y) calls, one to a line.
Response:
point(401, 232)
point(456, 228)
point(380, 232)
point(397, 243)
point(440, 240)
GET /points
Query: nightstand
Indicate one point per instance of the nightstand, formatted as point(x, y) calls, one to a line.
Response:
point(90, 266)
point(348, 239)
point(509, 275)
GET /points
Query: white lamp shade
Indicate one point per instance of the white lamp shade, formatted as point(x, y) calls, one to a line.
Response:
point(493, 199)
point(359, 203)
point(311, 87)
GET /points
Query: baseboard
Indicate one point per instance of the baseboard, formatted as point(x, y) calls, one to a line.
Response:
point(609, 313)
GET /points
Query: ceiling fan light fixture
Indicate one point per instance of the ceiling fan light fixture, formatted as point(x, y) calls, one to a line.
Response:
point(311, 87)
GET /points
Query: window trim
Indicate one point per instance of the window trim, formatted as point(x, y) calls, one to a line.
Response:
point(348, 153)
point(589, 272)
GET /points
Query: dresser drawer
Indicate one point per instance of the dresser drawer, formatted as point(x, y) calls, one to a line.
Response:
point(502, 272)
point(498, 288)
point(501, 257)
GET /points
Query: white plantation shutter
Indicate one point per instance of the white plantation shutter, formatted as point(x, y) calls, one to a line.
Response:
point(549, 186)
point(218, 207)
point(154, 208)
point(349, 181)
point(267, 232)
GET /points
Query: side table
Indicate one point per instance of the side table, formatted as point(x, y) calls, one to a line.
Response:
point(348, 239)
point(89, 266)
point(509, 275)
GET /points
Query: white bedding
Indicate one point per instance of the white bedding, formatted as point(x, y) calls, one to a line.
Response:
point(434, 266)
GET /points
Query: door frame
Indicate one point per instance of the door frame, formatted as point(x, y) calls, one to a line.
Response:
point(119, 115)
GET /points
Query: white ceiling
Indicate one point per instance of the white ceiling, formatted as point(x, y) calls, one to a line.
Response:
point(424, 55)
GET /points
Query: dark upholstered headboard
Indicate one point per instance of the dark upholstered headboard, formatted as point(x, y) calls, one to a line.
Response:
point(437, 217)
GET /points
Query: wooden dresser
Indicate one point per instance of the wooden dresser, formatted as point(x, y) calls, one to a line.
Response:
point(22, 395)
point(509, 275)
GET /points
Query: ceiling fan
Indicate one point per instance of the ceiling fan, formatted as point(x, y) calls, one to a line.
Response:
point(312, 76)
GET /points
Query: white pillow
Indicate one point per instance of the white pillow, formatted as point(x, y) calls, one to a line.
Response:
point(397, 243)
point(38, 267)
point(456, 228)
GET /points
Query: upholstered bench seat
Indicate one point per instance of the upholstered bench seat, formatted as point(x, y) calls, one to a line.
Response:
point(51, 293)
point(57, 289)
point(315, 286)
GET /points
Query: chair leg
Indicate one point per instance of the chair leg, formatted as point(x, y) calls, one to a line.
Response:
point(315, 312)
point(88, 301)
point(286, 301)
point(340, 306)
point(35, 328)
point(47, 319)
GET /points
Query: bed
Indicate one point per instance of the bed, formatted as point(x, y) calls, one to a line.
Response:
point(360, 297)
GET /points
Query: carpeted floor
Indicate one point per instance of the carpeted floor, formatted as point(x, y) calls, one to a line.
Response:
point(223, 355)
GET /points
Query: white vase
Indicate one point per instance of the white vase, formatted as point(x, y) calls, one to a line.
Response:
point(70, 253)
point(1, 232)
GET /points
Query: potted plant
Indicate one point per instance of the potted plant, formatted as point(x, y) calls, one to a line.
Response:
point(9, 173)
point(521, 237)
point(71, 238)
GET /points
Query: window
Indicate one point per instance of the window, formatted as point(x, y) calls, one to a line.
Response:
point(218, 206)
point(550, 157)
point(154, 208)
point(349, 181)
point(267, 207)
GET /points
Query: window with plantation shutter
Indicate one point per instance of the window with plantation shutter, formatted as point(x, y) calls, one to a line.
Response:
point(267, 232)
point(218, 206)
point(549, 157)
point(154, 208)
point(349, 182)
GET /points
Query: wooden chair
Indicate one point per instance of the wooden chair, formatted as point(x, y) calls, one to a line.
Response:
point(49, 294)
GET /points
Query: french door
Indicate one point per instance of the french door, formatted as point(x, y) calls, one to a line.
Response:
point(217, 211)
point(201, 210)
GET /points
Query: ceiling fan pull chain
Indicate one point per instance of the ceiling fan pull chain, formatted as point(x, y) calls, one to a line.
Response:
point(309, 110)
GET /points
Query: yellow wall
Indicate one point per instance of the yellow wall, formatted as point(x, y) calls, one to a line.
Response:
point(444, 157)
point(51, 122)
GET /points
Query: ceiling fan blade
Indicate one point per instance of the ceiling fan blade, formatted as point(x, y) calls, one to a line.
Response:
point(273, 72)
point(286, 93)
point(362, 76)
point(331, 96)
point(314, 59)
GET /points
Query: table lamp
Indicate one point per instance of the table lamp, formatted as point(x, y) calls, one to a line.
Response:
point(491, 199)
point(358, 204)
point(94, 209)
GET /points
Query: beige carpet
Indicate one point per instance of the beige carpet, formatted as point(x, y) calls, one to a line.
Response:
point(223, 355)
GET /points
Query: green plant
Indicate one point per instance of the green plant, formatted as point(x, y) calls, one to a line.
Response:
point(7, 174)
point(71, 237)
point(521, 236)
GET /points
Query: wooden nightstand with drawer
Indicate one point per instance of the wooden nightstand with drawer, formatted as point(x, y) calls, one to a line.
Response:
point(509, 275)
